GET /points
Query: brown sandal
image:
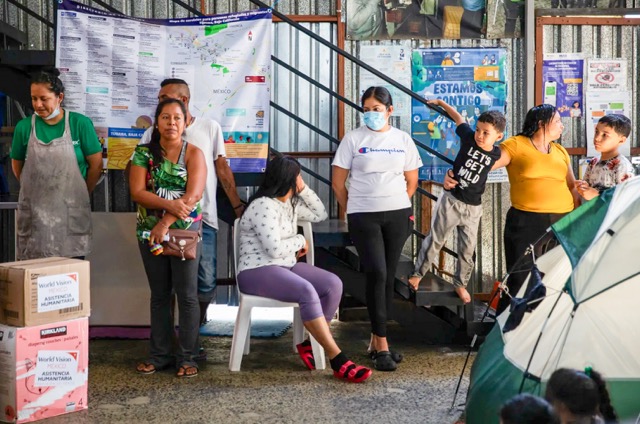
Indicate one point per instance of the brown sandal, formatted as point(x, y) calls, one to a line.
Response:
point(186, 371)
point(142, 368)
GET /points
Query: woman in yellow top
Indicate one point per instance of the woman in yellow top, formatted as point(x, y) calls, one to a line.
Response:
point(542, 188)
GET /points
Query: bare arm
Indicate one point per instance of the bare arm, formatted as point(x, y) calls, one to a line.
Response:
point(16, 166)
point(94, 162)
point(196, 175)
point(505, 159)
point(412, 182)
point(228, 183)
point(571, 184)
point(457, 118)
point(339, 180)
point(139, 194)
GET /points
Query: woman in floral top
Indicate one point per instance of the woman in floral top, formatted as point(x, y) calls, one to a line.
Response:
point(166, 181)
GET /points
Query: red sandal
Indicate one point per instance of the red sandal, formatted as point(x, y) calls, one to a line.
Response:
point(306, 354)
point(352, 373)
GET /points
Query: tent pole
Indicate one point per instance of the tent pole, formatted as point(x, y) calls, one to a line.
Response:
point(533, 352)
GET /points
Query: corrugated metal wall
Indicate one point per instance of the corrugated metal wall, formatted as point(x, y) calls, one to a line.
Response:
point(41, 37)
point(315, 106)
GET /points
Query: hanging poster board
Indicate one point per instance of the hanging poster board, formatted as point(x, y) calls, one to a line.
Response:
point(112, 66)
point(394, 61)
point(601, 103)
point(562, 83)
point(607, 74)
point(471, 80)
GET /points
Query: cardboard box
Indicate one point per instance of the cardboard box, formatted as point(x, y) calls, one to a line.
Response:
point(42, 291)
point(43, 370)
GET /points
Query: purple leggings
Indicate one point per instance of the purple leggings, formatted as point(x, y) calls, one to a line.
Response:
point(317, 291)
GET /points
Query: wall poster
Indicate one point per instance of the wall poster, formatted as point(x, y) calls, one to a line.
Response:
point(112, 66)
point(471, 80)
point(562, 83)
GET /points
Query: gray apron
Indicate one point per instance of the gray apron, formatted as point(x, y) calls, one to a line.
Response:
point(54, 211)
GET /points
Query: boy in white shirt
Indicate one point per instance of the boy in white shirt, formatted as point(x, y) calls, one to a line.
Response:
point(611, 168)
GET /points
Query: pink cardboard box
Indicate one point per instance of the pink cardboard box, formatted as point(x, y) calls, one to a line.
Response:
point(43, 370)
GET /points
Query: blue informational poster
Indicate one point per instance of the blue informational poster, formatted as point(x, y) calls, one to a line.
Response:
point(562, 82)
point(471, 80)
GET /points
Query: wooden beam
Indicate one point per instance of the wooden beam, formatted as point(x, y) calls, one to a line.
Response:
point(341, 34)
point(538, 70)
point(309, 18)
point(587, 12)
point(310, 155)
point(584, 20)
point(582, 151)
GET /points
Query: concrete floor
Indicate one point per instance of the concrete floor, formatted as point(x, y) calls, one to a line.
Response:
point(274, 386)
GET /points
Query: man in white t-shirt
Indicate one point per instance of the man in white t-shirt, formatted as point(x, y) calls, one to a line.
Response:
point(206, 134)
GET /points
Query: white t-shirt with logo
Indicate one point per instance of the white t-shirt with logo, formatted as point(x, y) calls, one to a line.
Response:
point(377, 162)
point(206, 134)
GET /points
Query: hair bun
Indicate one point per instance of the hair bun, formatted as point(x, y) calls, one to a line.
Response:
point(53, 71)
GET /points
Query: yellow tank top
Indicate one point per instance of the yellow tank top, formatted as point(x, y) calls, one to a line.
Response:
point(538, 181)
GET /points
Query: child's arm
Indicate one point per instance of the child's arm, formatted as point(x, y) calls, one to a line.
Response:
point(585, 190)
point(457, 118)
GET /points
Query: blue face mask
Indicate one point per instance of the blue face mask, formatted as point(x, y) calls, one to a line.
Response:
point(375, 120)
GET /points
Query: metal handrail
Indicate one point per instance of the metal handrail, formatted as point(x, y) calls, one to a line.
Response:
point(352, 58)
point(304, 168)
point(32, 13)
point(334, 94)
point(316, 83)
point(305, 123)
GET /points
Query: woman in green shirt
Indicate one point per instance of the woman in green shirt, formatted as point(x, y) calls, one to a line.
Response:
point(57, 158)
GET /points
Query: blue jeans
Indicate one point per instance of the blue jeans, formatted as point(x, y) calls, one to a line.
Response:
point(207, 264)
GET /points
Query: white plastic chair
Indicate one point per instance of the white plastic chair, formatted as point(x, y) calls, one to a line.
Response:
point(242, 330)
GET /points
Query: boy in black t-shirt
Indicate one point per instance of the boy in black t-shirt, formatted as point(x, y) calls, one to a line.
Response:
point(461, 207)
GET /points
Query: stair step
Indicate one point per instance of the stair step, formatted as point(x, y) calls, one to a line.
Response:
point(433, 290)
point(331, 233)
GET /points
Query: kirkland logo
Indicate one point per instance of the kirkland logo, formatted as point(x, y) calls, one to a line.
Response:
point(53, 332)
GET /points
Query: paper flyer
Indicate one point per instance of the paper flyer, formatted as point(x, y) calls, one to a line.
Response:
point(607, 74)
point(601, 103)
point(395, 62)
point(562, 83)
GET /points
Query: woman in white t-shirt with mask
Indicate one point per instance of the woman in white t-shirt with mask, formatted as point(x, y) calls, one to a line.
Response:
point(382, 165)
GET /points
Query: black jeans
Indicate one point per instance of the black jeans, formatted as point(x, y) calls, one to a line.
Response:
point(166, 275)
point(522, 229)
point(379, 238)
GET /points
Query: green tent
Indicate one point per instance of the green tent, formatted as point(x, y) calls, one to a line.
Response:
point(590, 316)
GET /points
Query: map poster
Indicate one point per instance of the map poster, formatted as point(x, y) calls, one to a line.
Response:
point(471, 80)
point(607, 74)
point(601, 103)
point(112, 66)
point(393, 61)
point(562, 82)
